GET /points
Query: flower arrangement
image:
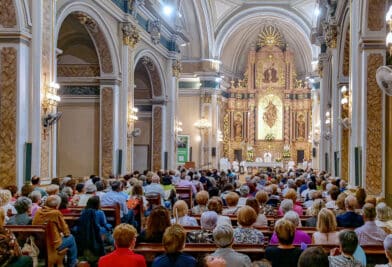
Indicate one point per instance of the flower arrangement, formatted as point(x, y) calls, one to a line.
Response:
point(286, 154)
point(269, 137)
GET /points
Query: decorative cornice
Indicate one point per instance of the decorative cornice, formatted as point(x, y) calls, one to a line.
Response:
point(79, 90)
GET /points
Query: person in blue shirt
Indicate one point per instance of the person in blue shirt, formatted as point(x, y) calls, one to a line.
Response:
point(350, 219)
point(173, 242)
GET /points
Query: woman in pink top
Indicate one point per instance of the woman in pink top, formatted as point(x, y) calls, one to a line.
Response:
point(299, 236)
point(326, 229)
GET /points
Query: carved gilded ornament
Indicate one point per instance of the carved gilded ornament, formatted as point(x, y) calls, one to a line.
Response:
point(176, 68)
point(331, 35)
point(270, 36)
point(206, 99)
point(154, 28)
point(131, 35)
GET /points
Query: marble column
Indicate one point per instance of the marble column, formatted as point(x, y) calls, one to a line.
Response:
point(368, 107)
point(325, 104)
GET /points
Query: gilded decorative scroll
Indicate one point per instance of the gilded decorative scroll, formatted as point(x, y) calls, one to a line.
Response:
point(374, 127)
point(345, 154)
point(8, 95)
point(107, 131)
point(346, 53)
point(376, 15)
point(157, 139)
point(7, 13)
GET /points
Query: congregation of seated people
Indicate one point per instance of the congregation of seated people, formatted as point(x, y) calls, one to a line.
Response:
point(289, 214)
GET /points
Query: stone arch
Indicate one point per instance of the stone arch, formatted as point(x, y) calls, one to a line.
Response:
point(158, 85)
point(97, 28)
point(149, 64)
point(247, 22)
point(344, 45)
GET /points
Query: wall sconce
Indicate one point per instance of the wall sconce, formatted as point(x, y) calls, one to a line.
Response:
point(178, 127)
point(388, 19)
point(202, 124)
point(219, 136)
point(345, 121)
point(51, 98)
point(131, 120)
point(328, 118)
point(384, 73)
point(345, 97)
point(132, 115)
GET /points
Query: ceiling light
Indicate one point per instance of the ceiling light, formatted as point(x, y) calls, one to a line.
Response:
point(167, 10)
point(183, 44)
point(317, 11)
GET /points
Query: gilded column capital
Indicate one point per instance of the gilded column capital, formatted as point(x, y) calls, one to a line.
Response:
point(331, 35)
point(131, 35)
point(176, 68)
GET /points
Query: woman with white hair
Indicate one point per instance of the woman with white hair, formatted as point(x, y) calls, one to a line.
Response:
point(286, 205)
point(23, 207)
point(388, 251)
point(208, 222)
point(299, 236)
point(384, 217)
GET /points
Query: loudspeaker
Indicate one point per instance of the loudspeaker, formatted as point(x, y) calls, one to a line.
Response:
point(190, 153)
point(28, 151)
point(165, 158)
point(119, 163)
point(314, 152)
point(213, 151)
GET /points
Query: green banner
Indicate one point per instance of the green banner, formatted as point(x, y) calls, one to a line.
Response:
point(182, 149)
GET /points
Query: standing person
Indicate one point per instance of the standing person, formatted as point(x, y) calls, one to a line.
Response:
point(173, 242)
point(36, 181)
point(285, 254)
point(124, 240)
point(61, 237)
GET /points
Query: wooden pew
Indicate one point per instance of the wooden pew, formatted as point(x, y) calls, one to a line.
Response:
point(374, 254)
point(112, 213)
point(271, 219)
point(21, 232)
point(185, 190)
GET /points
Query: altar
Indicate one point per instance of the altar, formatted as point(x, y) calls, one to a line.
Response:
point(269, 110)
point(250, 164)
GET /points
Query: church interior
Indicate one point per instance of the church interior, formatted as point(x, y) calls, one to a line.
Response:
point(115, 87)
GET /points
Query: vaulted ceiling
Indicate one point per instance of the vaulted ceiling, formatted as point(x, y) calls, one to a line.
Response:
point(226, 29)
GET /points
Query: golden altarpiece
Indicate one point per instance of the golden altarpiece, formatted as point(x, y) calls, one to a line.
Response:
point(268, 113)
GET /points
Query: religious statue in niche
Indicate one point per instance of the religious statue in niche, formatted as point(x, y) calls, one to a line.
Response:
point(270, 114)
point(301, 126)
point(238, 127)
point(270, 75)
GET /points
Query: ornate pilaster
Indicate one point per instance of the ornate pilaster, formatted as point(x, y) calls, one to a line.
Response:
point(8, 103)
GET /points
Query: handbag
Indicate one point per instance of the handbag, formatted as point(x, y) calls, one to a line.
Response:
point(31, 249)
